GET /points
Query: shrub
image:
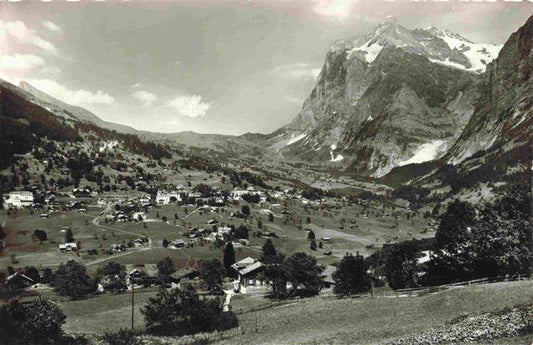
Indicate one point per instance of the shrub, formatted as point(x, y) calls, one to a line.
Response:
point(179, 312)
point(120, 337)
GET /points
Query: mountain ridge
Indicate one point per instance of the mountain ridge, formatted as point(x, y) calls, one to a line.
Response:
point(370, 111)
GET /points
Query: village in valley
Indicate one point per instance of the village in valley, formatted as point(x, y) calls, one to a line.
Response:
point(228, 232)
point(394, 208)
point(193, 221)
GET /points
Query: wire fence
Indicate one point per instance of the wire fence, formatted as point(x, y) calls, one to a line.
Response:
point(382, 293)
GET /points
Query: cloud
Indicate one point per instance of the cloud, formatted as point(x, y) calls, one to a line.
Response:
point(297, 71)
point(135, 85)
point(50, 70)
point(51, 26)
point(146, 98)
point(77, 97)
point(19, 62)
point(17, 67)
point(333, 10)
point(190, 105)
point(22, 34)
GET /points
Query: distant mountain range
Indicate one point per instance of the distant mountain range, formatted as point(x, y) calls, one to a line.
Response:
point(383, 103)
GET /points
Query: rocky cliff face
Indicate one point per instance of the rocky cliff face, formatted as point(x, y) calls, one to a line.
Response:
point(392, 97)
point(413, 112)
point(503, 118)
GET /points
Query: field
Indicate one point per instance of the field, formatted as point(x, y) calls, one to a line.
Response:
point(318, 320)
point(350, 228)
point(373, 320)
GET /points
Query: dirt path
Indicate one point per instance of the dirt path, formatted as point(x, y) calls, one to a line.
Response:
point(129, 252)
point(322, 232)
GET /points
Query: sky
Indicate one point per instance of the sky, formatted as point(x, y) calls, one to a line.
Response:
point(211, 67)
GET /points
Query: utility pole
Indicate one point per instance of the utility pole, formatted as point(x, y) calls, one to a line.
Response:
point(132, 302)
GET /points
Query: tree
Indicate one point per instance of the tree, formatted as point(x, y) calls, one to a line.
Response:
point(312, 245)
point(241, 232)
point(454, 224)
point(162, 311)
point(229, 258)
point(401, 265)
point(503, 236)
point(33, 273)
point(40, 235)
point(351, 276)
point(310, 235)
point(259, 223)
point(165, 243)
point(44, 322)
point(212, 272)
point(277, 272)
point(121, 337)
point(179, 312)
point(245, 209)
point(452, 259)
point(270, 217)
point(72, 280)
point(39, 323)
point(112, 276)
point(2, 232)
point(304, 271)
point(269, 251)
point(165, 267)
point(69, 237)
point(48, 276)
point(308, 220)
point(12, 323)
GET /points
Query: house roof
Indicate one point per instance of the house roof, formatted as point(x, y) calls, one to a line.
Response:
point(251, 268)
point(71, 245)
point(184, 272)
point(19, 274)
point(244, 262)
point(149, 269)
point(224, 230)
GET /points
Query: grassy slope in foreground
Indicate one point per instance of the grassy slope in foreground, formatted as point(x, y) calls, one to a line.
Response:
point(373, 321)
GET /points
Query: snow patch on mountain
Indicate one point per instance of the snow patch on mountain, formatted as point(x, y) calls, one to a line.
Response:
point(336, 158)
point(478, 54)
point(370, 49)
point(296, 139)
point(427, 152)
point(448, 63)
point(289, 141)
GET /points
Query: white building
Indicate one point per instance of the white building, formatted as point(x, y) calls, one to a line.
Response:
point(224, 230)
point(139, 216)
point(238, 193)
point(18, 199)
point(67, 247)
point(163, 198)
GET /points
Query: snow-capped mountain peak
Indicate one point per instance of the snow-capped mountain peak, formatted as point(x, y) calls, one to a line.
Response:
point(440, 46)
